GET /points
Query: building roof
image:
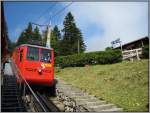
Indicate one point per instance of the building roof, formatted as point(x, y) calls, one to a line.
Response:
point(133, 41)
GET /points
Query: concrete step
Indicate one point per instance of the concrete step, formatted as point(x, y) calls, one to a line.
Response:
point(65, 89)
point(84, 97)
point(84, 100)
point(114, 109)
point(68, 87)
point(95, 103)
point(77, 94)
point(87, 103)
point(80, 97)
point(102, 107)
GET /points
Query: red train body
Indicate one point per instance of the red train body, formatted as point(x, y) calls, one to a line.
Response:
point(35, 63)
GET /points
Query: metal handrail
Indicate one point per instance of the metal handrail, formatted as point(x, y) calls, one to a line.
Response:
point(26, 83)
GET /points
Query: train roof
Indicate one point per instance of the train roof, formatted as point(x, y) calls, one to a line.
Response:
point(35, 46)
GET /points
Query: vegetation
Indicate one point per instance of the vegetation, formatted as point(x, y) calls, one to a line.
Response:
point(72, 37)
point(145, 51)
point(70, 43)
point(108, 48)
point(101, 57)
point(45, 36)
point(29, 36)
point(37, 35)
point(124, 84)
point(55, 40)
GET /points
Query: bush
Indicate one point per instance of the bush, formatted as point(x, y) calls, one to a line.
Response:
point(145, 51)
point(101, 57)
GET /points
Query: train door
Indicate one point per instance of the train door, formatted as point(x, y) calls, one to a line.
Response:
point(32, 63)
point(47, 65)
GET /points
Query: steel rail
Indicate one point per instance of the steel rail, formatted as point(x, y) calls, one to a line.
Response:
point(49, 105)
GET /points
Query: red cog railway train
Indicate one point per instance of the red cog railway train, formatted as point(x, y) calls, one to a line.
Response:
point(35, 64)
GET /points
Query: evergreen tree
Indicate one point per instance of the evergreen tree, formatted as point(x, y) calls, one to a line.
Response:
point(44, 37)
point(22, 39)
point(79, 44)
point(28, 36)
point(25, 36)
point(28, 32)
point(29, 28)
point(72, 35)
point(55, 39)
point(36, 35)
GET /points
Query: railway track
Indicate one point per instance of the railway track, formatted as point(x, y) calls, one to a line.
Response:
point(34, 100)
point(48, 105)
point(43, 103)
point(68, 99)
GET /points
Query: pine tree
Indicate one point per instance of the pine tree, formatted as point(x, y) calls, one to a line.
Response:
point(29, 28)
point(28, 32)
point(36, 35)
point(82, 46)
point(55, 39)
point(22, 39)
point(44, 37)
point(28, 36)
point(72, 36)
point(25, 36)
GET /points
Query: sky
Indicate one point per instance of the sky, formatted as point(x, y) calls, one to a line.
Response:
point(99, 22)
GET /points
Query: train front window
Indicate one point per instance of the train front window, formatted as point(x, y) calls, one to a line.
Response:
point(33, 53)
point(45, 56)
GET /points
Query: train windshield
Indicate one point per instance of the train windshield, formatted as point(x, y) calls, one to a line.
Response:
point(33, 53)
point(45, 56)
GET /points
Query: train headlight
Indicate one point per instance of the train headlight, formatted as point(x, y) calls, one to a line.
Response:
point(40, 71)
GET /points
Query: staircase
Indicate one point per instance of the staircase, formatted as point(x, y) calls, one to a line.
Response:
point(11, 98)
point(91, 103)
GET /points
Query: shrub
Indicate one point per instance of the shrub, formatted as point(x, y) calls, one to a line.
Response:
point(145, 51)
point(101, 57)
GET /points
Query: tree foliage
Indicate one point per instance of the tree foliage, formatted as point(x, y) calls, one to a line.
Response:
point(71, 37)
point(108, 48)
point(145, 51)
point(70, 43)
point(92, 58)
point(37, 35)
point(55, 40)
point(44, 37)
point(29, 36)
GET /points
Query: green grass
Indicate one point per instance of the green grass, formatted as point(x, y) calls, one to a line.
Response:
point(124, 84)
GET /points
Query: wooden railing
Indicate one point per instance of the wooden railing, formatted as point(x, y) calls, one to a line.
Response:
point(129, 54)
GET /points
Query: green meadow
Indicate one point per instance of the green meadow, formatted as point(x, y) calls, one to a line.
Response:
point(124, 84)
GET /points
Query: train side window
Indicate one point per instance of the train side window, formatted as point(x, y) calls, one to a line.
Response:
point(33, 53)
point(21, 55)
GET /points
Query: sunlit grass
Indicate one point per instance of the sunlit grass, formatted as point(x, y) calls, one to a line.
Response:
point(124, 84)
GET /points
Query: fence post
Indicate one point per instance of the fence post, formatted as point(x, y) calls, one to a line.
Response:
point(137, 55)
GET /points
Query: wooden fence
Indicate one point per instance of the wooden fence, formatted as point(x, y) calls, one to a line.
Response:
point(130, 54)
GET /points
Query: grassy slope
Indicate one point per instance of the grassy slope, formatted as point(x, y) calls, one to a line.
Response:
point(124, 84)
